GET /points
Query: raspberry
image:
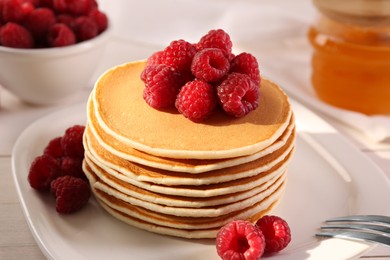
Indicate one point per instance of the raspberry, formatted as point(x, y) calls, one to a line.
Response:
point(155, 58)
point(162, 85)
point(54, 148)
point(99, 18)
point(60, 35)
point(240, 239)
point(85, 28)
point(73, 167)
point(72, 141)
point(66, 19)
point(210, 65)
point(39, 21)
point(238, 94)
point(45, 3)
point(246, 63)
point(71, 194)
point(16, 10)
point(42, 171)
point(16, 36)
point(196, 100)
point(76, 7)
point(179, 55)
point(276, 232)
point(217, 39)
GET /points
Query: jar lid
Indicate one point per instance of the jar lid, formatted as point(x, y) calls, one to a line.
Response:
point(362, 12)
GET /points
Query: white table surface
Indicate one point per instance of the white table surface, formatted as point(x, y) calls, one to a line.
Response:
point(16, 241)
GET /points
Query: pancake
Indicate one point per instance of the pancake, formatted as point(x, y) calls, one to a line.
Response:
point(106, 183)
point(111, 145)
point(191, 190)
point(158, 176)
point(158, 171)
point(199, 212)
point(123, 114)
point(186, 227)
point(185, 222)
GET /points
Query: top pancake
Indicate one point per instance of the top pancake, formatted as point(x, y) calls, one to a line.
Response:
point(122, 113)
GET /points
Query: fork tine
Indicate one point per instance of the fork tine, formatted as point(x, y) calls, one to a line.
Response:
point(362, 218)
point(364, 227)
point(356, 235)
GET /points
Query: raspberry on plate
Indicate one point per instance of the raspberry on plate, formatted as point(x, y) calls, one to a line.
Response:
point(54, 148)
point(196, 100)
point(162, 84)
point(240, 239)
point(246, 63)
point(43, 170)
point(210, 65)
point(217, 39)
point(71, 194)
point(72, 141)
point(238, 94)
point(73, 167)
point(276, 231)
point(16, 36)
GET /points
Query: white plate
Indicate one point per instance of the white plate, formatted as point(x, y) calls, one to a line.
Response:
point(327, 177)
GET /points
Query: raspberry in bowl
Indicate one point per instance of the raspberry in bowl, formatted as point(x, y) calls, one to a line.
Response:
point(49, 49)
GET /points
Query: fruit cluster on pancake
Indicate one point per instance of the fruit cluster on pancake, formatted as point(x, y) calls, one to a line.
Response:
point(158, 171)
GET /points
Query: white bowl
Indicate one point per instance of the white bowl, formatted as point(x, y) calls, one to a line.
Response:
point(49, 75)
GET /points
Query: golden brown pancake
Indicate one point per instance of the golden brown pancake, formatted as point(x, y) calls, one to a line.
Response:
point(144, 173)
point(180, 165)
point(187, 227)
point(122, 113)
point(161, 172)
point(109, 181)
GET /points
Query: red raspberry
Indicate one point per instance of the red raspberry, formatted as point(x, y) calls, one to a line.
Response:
point(71, 194)
point(72, 141)
point(66, 19)
point(246, 63)
point(162, 84)
point(16, 36)
point(210, 65)
point(76, 7)
point(60, 35)
point(196, 100)
point(99, 18)
point(16, 10)
point(42, 171)
point(155, 58)
point(179, 55)
point(85, 28)
point(217, 39)
point(240, 239)
point(39, 21)
point(54, 148)
point(276, 232)
point(45, 3)
point(238, 94)
point(73, 167)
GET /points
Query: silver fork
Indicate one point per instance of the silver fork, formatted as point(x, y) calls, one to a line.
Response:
point(372, 228)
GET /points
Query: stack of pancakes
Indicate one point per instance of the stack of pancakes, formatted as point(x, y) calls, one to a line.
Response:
point(161, 172)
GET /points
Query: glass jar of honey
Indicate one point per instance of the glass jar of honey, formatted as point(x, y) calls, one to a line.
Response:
point(351, 54)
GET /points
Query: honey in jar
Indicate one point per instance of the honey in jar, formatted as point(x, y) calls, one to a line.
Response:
point(351, 54)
